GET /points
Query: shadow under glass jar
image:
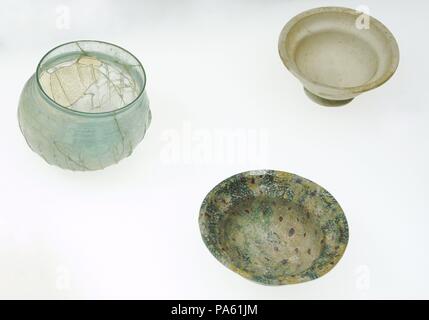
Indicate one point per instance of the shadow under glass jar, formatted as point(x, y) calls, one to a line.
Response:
point(86, 106)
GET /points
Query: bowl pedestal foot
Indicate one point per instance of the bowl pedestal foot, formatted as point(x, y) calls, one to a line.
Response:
point(326, 102)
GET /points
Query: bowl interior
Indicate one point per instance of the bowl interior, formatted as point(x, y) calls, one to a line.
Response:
point(91, 76)
point(277, 234)
point(339, 47)
point(273, 227)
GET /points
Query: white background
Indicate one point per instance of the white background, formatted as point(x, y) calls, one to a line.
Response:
point(131, 231)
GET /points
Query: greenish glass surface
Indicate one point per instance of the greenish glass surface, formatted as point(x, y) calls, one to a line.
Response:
point(86, 106)
point(274, 227)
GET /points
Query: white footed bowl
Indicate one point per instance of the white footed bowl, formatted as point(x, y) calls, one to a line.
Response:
point(338, 53)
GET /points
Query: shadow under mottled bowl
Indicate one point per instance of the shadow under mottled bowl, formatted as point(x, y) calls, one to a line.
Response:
point(338, 53)
point(273, 227)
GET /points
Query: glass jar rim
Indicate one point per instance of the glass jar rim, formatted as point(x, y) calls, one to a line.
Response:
point(83, 113)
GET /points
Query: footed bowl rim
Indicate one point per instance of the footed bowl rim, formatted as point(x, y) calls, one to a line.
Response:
point(348, 90)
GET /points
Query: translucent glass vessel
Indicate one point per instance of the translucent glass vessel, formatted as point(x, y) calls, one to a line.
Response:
point(86, 106)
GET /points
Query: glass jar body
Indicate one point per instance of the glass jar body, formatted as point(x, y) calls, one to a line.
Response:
point(79, 141)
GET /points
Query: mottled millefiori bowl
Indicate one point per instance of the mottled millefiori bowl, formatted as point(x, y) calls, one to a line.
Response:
point(273, 227)
point(338, 53)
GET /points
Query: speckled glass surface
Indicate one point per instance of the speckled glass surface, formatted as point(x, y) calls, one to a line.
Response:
point(273, 227)
point(86, 106)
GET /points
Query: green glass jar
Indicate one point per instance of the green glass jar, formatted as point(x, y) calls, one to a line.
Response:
point(86, 106)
